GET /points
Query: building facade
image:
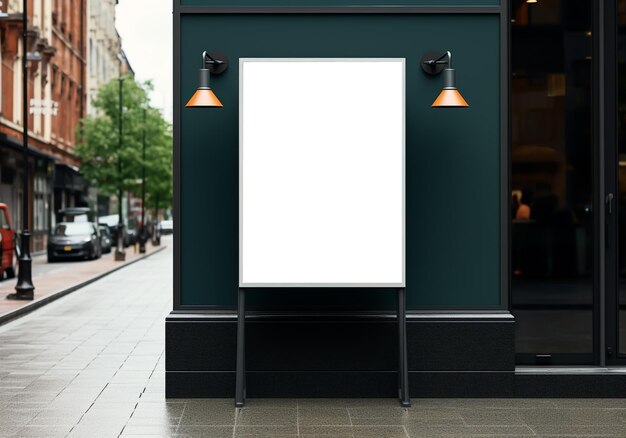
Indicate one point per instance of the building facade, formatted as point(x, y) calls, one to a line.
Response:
point(57, 101)
point(105, 61)
point(103, 48)
point(515, 206)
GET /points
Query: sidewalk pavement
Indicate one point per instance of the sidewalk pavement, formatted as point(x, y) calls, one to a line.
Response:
point(92, 365)
point(54, 280)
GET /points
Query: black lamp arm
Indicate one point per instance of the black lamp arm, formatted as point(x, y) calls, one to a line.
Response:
point(441, 60)
point(208, 60)
point(215, 62)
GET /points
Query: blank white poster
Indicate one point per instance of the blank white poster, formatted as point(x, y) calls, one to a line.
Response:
point(321, 168)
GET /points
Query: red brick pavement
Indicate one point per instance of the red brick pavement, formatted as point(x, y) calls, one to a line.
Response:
point(55, 282)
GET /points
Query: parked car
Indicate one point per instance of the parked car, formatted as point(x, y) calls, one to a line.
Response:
point(106, 240)
point(166, 227)
point(75, 214)
point(111, 221)
point(8, 261)
point(71, 240)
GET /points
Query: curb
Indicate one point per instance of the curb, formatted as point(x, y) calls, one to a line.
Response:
point(25, 310)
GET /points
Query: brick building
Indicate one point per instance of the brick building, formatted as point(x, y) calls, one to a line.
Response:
point(57, 96)
point(57, 101)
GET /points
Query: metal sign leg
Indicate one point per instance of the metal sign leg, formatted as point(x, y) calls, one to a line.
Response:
point(240, 377)
point(403, 365)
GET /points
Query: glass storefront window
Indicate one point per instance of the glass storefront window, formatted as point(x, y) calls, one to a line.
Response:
point(552, 181)
point(621, 173)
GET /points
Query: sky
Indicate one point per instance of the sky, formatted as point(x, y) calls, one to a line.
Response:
point(146, 30)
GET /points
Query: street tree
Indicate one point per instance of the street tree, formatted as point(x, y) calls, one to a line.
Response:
point(159, 185)
point(99, 147)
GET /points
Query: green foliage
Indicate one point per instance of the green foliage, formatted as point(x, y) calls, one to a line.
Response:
point(100, 150)
point(159, 184)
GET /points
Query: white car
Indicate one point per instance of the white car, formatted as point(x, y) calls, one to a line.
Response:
point(166, 227)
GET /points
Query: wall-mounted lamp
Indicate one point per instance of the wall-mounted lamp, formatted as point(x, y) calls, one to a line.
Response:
point(433, 63)
point(212, 63)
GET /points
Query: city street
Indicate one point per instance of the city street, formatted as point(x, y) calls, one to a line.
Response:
point(91, 364)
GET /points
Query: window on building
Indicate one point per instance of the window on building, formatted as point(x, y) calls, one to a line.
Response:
point(62, 117)
point(97, 61)
point(91, 57)
point(53, 82)
point(40, 204)
point(102, 67)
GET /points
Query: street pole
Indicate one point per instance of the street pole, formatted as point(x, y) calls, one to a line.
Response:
point(120, 254)
point(142, 238)
point(156, 240)
point(24, 290)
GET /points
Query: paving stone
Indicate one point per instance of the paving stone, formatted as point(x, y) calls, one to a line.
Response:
point(347, 403)
point(101, 430)
point(379, 432)
point(265, 431)
point(7, 430)
point(467, 431)
point(126, 435)
point(205, 431)
point(267, 416)
point(272, 402)
point(571, 416)
point(409, 421)
point(160, 421)
point(483, 403)
point(588, 403)
point(146, 429)
point(338, 418)
point(158, 409)
point(17, 417)
point(207, 416)
point(38, 431)
point(493, 417)
point(580, 430)
point(67, 419)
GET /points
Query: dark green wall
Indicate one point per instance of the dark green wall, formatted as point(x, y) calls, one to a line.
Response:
point(452, 167)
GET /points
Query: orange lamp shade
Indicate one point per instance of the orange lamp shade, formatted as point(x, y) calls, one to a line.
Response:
point(449, 98)
point(204, 97)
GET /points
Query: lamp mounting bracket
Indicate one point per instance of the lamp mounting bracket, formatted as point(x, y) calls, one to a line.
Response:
point(216, 62)
point(433, 62)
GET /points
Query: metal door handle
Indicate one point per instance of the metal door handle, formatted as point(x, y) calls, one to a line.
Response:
point(609, 202)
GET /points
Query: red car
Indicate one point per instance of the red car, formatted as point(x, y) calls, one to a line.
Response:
point(7, 244)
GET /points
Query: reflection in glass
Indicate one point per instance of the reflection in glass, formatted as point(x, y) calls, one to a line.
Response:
point(551, 202)
point(621, 176)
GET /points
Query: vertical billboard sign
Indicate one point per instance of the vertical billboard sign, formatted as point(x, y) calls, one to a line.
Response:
point(321, 168)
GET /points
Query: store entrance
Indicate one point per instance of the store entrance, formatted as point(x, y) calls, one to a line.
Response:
point(615, 196)
point(568, 180)
point(554, 235)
